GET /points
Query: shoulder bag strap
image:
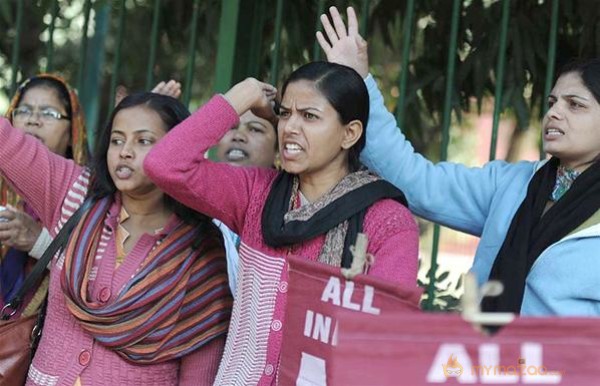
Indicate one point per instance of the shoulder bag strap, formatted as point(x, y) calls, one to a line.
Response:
point(40, 267)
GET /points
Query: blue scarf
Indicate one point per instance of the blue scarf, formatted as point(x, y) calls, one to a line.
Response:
point(12, 267)
point(12, 273)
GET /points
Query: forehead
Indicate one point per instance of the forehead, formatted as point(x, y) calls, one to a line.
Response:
point(41, 96)
point(571, 84)
point(248, 117)
point(138, 118)
point(303, 93)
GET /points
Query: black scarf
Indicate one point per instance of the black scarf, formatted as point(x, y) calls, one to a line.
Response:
point(352, 206)
point(531, 231)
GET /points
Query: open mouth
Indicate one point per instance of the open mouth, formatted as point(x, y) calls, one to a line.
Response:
point(123, 172)
point(236, 154)
point(291, 150)
point(292, 147)
point(553, 132)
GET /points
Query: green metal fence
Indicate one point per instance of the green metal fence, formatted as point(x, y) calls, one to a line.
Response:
point(240, 37)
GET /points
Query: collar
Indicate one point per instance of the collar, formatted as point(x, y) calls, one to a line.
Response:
point(117, 214)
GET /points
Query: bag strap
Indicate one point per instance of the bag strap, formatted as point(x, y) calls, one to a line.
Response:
point(39, 269)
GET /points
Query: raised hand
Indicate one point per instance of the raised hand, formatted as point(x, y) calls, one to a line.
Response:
point(252, 94)
point(120, 94)
point(345, 46)
point(171, 88)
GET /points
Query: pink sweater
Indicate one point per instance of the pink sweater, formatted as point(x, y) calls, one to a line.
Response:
point(237, 196)
point(55, 188)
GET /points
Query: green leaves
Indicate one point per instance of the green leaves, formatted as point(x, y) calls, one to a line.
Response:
point(445, 292)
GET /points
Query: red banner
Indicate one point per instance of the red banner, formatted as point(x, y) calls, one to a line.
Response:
point(428, 349)
point(316, 293)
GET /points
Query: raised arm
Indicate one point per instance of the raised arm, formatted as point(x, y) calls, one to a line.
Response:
point(41, 177)
point(177, 164)
point(447, 193)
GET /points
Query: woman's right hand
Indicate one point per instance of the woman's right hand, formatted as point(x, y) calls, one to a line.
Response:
point(171, 88)
point(18, 229)
point(252, 94)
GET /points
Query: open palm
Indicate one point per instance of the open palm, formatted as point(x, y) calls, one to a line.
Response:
point(344, 46)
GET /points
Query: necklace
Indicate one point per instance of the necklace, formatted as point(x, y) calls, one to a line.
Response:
point(564, 179)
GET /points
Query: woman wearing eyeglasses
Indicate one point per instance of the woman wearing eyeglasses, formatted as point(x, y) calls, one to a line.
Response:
point(46, 108)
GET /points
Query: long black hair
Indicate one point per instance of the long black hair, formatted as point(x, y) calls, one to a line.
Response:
point(345, 90)
point(171, 112)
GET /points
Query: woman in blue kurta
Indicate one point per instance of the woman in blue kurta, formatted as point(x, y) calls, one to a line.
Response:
point(539, 222)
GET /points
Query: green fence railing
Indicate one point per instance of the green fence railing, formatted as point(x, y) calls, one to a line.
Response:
point(16, 48)
point(446, 121)
point(50, 45)
point(501, 63)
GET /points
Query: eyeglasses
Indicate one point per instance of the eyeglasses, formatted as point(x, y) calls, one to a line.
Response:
point(46, 114)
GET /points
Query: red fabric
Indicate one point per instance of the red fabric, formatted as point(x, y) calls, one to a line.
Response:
point(405, 349)
point(318, 293)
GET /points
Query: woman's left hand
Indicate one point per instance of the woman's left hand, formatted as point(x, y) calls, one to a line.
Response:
point(252, 94)
point(18, 230)
point(344, 45)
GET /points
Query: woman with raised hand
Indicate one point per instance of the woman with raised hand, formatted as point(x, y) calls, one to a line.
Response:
point(313, 209)
point(140, 296)
point(539, 222)
point(46, 108)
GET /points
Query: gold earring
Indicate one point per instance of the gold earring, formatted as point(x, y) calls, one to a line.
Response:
point(277, 162)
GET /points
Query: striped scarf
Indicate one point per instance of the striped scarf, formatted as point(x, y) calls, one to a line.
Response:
point(177, 301)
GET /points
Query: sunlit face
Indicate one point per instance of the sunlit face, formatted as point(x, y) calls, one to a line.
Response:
point(135, 131)
point(571, 127)
point(252, 143)
point(41, 102)
point(312, 138)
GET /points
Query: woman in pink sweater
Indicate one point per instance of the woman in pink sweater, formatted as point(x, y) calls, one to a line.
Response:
point(140, 296)
point(314, 209)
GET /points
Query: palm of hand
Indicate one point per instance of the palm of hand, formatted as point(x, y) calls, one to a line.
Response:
point(349, 52)
point(344, 45)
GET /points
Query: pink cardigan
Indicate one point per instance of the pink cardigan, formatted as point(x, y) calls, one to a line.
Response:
point(237, 196)
point(55, 188)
